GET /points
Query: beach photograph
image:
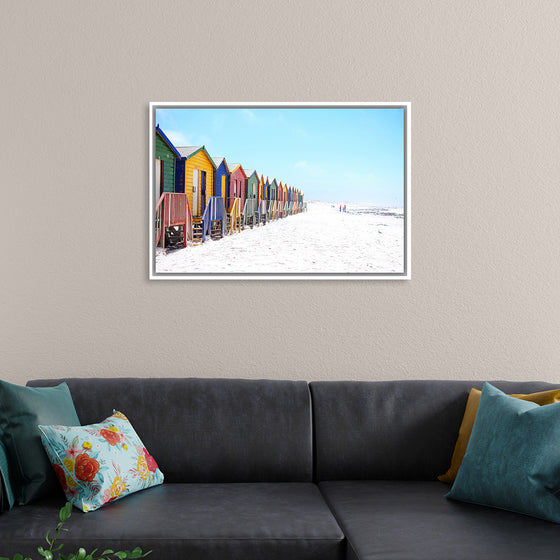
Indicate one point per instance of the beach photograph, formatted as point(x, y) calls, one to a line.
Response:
point(279, 191)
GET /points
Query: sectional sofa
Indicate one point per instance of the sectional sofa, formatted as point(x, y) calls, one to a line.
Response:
point(286, 470)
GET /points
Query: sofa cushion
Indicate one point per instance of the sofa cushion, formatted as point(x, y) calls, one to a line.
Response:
point(209, 430)
point(400, 430)
point(276, 521)
point(541, 398)
point(513, 457)
point(21, 410)
point(100, 463)
point(411, 520)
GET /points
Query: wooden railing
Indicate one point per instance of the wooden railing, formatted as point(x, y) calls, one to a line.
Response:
point(262, 211)
point(250, 211)
point(234, 211)
point(172, 209)
point(272, 210)
point(215, 210)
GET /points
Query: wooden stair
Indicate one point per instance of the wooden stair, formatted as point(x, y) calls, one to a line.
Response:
point(216, 229)
point(197, 231)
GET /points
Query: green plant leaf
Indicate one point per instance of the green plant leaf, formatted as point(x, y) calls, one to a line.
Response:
point(104, 553)
point(46, 554)
point(121, 555)
point(68, 508)
point(18, 557)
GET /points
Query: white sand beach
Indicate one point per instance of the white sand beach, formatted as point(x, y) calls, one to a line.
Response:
point(365, 239)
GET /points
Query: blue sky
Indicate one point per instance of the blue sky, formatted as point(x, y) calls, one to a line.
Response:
point(332, 154)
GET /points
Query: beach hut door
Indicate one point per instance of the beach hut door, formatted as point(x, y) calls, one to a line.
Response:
point(195, 192)
point(159, 177)
point(202, 191)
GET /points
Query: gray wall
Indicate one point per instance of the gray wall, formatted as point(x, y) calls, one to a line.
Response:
point(483, 80)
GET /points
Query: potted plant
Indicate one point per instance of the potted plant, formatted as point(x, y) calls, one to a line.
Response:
point(53, 553)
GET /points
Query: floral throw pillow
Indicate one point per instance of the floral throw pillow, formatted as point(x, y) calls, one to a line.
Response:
point(99, 463)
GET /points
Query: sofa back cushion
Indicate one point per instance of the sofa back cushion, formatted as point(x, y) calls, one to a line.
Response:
point(393, 430)
point(208, 430)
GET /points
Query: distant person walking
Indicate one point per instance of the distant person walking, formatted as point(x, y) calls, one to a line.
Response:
point(344, 209)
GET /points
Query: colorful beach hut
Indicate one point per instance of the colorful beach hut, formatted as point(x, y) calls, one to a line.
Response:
point(250, 208)
point(195, 176)
point(221, 184)
point(286, 200)
point(266, 190)
point(273, 200)
point(261, 201)
point(280, 199)
point(173, 218)
point(237, 196)
point(166, 154)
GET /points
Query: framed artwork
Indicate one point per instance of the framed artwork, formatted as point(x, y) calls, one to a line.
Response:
point(279, 191)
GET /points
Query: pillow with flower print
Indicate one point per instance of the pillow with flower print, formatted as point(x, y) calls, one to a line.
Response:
point(99, 463)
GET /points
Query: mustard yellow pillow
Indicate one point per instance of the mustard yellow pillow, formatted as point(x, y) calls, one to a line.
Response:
point(541, 398)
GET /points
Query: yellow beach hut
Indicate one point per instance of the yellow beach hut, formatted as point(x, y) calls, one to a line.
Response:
point(195, 176)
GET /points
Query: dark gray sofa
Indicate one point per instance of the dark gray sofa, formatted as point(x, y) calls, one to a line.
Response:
point(285, 470)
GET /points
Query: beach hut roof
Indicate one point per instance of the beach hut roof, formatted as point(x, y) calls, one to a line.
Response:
point(234, 166)
point(188, 152)
point(249, 172)
point(218, 161)
point(162, 135)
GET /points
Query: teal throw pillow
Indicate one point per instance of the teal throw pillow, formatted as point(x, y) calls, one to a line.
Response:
point(21, 410)
point(7, 498)
point(513, 457)
point(100, 463)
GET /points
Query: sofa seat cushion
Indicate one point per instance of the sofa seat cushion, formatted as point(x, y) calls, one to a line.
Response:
point(411, 520)
point(192, 521)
